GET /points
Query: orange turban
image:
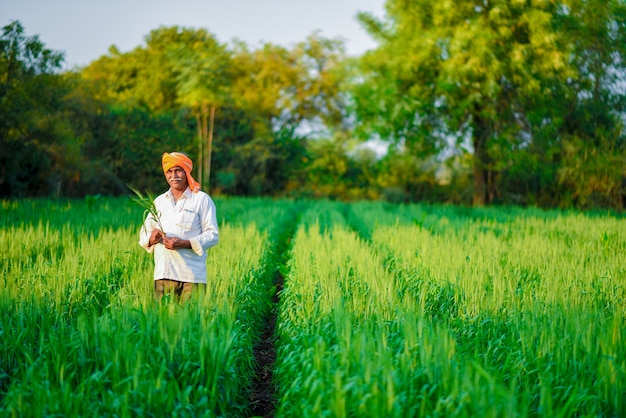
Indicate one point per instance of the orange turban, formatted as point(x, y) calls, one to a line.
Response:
point(179, 159)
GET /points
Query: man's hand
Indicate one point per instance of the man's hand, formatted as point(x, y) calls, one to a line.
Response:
point(173, 243)
point(155, 237)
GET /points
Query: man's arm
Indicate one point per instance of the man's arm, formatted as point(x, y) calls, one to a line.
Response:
point(210, 232)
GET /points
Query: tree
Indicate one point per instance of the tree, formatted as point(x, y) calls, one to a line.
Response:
point(460, 69)
point(203, 75)
point(31, 127)
point(287, 88)
point(593, 146)
point(141, 78)
point(287, 96)
point(24, 57)
point(179, 68)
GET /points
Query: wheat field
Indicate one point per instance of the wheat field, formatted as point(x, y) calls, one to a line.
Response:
point(381, 310)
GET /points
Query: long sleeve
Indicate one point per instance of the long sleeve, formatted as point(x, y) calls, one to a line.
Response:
point(209, 236)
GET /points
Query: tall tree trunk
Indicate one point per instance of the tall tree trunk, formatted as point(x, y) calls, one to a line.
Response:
point(480, 138)
point(205, 157)
point(200, 143)
point(204, 122)
point(209, 147)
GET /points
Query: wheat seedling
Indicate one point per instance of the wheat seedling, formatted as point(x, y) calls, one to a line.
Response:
point(147, 203)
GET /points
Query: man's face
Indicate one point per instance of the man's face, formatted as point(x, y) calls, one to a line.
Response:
point(176, 178)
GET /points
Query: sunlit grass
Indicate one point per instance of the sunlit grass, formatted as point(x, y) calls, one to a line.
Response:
point(82, 335)
point(411, 311)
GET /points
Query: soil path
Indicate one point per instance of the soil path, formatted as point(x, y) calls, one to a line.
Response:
point(262, 399)
point(262, 395)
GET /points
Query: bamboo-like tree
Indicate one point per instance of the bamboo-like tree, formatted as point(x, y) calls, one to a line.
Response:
point(203, 79)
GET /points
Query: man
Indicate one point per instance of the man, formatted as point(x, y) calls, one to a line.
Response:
point(189, 220)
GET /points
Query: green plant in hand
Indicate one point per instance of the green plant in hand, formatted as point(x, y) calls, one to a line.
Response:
point(147, 203)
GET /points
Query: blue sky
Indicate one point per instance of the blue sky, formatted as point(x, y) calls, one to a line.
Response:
point(85, 29)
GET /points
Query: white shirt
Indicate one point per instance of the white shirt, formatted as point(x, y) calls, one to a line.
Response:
point(192, 217)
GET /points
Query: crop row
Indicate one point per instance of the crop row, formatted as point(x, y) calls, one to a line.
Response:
point(418, 314)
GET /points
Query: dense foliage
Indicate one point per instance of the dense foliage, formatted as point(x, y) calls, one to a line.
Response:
point(500, 101)
point(535, 89)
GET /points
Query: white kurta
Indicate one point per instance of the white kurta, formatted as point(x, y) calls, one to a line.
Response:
point(192, 217)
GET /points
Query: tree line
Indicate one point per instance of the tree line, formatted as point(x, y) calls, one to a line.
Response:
point(463, 102)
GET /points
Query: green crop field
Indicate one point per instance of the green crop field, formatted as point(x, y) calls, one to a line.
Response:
point(381, 311)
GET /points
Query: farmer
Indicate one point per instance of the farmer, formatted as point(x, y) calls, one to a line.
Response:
point(188, 219)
